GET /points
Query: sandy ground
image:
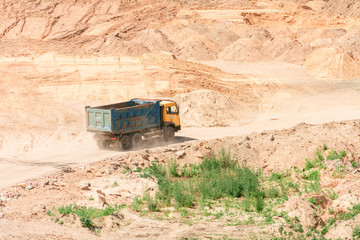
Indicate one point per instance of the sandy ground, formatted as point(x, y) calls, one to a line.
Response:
point(238, 68)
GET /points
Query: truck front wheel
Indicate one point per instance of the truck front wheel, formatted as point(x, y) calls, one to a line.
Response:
point(169, 134)
point(136, 139)
point(125, 142)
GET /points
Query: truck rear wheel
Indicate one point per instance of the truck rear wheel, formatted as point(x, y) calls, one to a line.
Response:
point(103, 144)
point(136, 139)
point(125, 142)
point(169, 134)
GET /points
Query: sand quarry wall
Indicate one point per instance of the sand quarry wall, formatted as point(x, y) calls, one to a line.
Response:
point(293, 32)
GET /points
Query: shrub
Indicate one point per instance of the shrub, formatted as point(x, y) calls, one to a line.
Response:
point(152, 205)
point(314, 175)
point(87, 215)
point(183, 194)
point(172, 168)
point(137, 202)
point(276, 176)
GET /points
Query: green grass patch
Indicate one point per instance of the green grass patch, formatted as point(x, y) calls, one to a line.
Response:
point(214, 178)
point(88, 214)
point(333, 155)
point(355, 210)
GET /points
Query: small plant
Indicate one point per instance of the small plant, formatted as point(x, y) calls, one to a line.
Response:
point(296, 225)
point(276, 176)
point(313, 186)
point(137, 202)
point(115, 184)
point(339, 172)
point(138, 169)
point(314, 175)
point(183, 194)
point(87, 215)
point(91, 198)
point(354, 164)
point(152, 205)
point(127, 169)
point(173, 168)
point(319, 155)
point(313, 201)
point(219, 214)
point(333, 155)
point(184, 212)
point(332, 195)
point(145, 175)
point(190, 170)
point(50, 213)
point(355, 210)
point(356, 232)
point(325, 147)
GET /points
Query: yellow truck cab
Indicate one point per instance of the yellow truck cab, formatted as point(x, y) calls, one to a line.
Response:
point(170, 118)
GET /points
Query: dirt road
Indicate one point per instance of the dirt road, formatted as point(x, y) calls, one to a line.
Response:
point(319, 102)
point(287, 98)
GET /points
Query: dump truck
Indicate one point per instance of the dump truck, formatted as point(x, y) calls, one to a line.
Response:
point(126, 124)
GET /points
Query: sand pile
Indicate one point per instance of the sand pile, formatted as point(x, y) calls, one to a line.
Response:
point(284, 49)
point(197, 47)
point(219, 32)
point(331, 63)
point(344, 230)
point(182, 35)
point(206, 108)
point(244, 49)
point(351, 45)
point(309, 35)
point(260, 34)
point(198, 27)
point(154, 40)
point(114, 46)
point(299, 207)
point(345, 8)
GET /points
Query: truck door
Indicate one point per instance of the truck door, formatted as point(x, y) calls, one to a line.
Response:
point(171, 114)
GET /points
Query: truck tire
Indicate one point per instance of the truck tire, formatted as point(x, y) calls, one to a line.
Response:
point(169, 134)
point(125, 142)
point(136, 139)
point(103, 144)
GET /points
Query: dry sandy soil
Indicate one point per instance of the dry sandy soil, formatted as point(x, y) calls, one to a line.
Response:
point(237, 69)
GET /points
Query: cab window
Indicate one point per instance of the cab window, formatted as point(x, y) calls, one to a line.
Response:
point(172, 110)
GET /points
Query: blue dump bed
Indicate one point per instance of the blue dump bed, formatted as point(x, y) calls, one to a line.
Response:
point(124, 117)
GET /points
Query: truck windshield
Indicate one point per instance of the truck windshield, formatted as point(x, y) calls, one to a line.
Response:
point(172, 110)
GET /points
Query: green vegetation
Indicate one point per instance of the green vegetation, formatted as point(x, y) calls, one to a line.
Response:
point(127, 169)
point(354, 164)
point(219, 186)
point(215, 178)
point(333, 155)
point(137, 202)
point(317, 162)
point(339, 172)
point(86, 215)
point(356, 232)
point(355, 210)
